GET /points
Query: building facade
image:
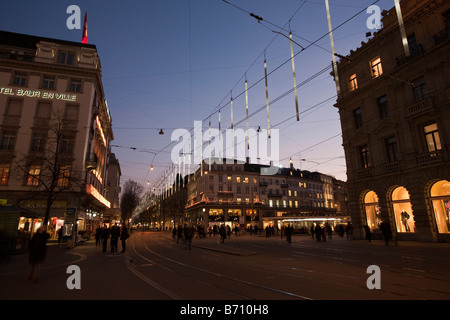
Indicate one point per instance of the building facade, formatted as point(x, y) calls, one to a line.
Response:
point(55, 133)
point(237, 194)
point(394, 106)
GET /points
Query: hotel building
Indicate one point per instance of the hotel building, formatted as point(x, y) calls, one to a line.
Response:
point(394, 106)
point(55, 131)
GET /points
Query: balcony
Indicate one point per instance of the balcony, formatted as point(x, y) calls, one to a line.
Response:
point(391, 167)
point(442, 36)
point(429, 157)
point(414, 52)
point(417, 107)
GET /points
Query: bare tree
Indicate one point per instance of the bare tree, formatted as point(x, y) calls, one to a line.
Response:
point(48, 167)
point(130, 198)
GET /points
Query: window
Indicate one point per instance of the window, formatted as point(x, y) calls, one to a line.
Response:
point(357, 115)
point(383, 107)
point(4, 173)
point(420, 88)
point(7, 140)
point(229, 178)
point(352, 82)
point(67, 144)
point(432, 137)
point(20, 79)
point(33, 175)
point(246, 180)
point(38, 141)
point(66, 57)
point(63, 176)
point(414, 48)
point(364, 156)
point(238, 179)
point(14, 108)
point(43, 110)
point(71, 112)
point(75, 85)
point(391, 149)
point(375, 67)
point(48, 82)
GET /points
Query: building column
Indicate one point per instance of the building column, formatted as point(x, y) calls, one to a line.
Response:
point(425, 226)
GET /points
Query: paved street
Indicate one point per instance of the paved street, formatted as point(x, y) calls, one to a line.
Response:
point(245, 267)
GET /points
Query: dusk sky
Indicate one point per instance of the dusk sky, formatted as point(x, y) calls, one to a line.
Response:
point(168, 63)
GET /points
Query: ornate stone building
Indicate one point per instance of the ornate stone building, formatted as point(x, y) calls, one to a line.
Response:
point(55, 130)
point(394, 105)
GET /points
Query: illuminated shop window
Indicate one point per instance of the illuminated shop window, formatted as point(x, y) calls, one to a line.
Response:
point(440, 198)
point(401, 203)
point(4, 173)
point(372, 210)
point(375, 67)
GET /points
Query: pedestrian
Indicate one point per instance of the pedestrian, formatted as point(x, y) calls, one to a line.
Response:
point(174, 233)
point(60, 235)
point(329, 231)
point(386, 230)
point(124, 235)
point(368, 233)
point(312, 230)
point(349, 231)
point(98, 236)
point(188, 235)
point(318, 232)
point(38, 249)
point(288, 230)
point(267, 231)
point(115, 234)
point(223, 233)
point(105, 236)
point(179, 233)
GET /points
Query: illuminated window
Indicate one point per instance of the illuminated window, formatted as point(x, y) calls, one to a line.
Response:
point(255, 180)
point(352, 82)
point(432, 137)
point(440, 196)
point(238, 179)
point(246, 180)
point(4, 173)
point(364, 156)
point(229, 178)
point(64, 174)
point(375, 67)
point(33, 175)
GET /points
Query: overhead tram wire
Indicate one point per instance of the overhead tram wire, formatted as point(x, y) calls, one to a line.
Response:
point(282, 64)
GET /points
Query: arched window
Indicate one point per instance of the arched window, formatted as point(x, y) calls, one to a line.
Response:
point(372, 210)
point(440, 198)
point(401, 203)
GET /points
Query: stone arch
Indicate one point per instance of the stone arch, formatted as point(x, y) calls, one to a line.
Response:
point(438, 194)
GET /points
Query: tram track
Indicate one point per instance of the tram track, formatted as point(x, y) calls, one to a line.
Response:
point(222, 278)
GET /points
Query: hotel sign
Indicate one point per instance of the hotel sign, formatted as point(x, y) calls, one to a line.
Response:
point(37, 94)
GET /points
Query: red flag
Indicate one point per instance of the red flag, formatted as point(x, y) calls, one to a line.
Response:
point(84, 39)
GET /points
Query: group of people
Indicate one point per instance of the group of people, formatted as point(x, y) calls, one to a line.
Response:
point(113, 234)
point(184, 234)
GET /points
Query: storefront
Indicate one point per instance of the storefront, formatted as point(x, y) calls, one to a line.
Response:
point(440, 203)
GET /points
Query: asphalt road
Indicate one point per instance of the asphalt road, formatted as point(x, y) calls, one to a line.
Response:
point(244, 269)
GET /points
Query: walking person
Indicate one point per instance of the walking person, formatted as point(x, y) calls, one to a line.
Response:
point(386, 230)
point(188, 235)
point(38, 249)
point(124, 235)
point(179, 233)
point(288, 231)
point(223, 233)
point(105, 237)
point(115, 234)
point(368, 233)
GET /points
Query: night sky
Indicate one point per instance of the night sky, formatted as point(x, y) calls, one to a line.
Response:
point(168, 63)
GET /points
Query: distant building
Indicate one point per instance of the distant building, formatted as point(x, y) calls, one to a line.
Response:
point(237, 194)
point(394, 107)
point(55, 130)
